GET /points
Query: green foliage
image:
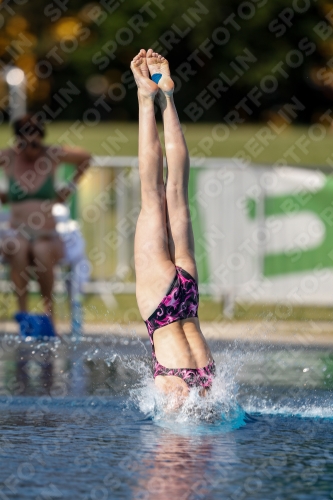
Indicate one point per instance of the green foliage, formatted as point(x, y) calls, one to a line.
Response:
point(125, 27)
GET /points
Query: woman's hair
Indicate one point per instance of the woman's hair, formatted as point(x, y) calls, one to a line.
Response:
point(29, 125)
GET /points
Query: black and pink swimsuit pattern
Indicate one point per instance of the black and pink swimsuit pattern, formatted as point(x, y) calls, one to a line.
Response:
point(181, 302)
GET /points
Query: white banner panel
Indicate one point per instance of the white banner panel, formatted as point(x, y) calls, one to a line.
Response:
point(265, 234)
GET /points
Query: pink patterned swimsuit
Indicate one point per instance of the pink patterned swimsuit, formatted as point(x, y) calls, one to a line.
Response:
point(180, 302)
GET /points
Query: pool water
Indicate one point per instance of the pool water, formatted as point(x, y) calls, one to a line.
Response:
point(83, 420)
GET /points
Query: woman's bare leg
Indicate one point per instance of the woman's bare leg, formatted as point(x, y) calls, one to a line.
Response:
point(181, 240)
point(46, 253)
point(16, 251)
point(153, 266)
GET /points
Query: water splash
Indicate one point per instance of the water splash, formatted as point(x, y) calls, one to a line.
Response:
point(218, 410)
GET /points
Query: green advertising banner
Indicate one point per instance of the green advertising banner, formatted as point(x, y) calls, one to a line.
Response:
point(265, 234)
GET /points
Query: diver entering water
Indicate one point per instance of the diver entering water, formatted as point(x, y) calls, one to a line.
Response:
point(166, 274)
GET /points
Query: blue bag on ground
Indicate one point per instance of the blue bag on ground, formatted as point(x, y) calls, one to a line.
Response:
point(35, 325)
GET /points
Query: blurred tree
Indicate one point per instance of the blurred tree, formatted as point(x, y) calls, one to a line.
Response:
point(223, 55)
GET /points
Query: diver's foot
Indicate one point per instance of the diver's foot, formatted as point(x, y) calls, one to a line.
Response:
point(146, 86)
point(157, 64)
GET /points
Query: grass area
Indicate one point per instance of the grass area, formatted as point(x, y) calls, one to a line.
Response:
point(125, 310)
point(203, 140)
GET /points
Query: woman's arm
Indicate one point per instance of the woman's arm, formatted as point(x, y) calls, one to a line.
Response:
point(81, 159)
point(78, 157)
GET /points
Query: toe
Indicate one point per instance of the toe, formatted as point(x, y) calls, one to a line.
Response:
point(136, 61)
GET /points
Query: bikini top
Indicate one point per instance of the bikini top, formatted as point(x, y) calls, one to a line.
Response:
point(16, 193)
point(180, 302)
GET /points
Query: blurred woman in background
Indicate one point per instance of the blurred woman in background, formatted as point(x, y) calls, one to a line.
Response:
point(32, 246)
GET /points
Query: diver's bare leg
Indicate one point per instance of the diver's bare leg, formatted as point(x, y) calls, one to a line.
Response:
point(181, 240)
point(153, 267)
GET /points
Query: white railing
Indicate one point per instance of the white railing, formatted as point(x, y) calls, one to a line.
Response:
point(247, 248)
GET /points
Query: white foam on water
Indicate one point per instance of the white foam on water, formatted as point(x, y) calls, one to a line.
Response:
point(218, 408)
point(302, 409)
